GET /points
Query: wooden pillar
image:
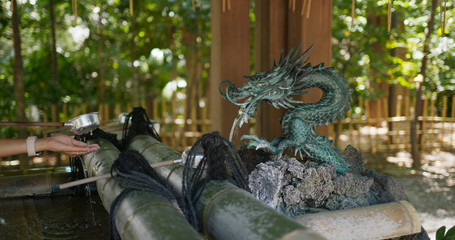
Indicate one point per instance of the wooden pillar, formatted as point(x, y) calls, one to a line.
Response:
point(270, 40)
point(230, 60)
point(283, 26)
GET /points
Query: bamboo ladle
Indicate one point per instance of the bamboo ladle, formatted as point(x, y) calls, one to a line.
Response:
point(182, 161)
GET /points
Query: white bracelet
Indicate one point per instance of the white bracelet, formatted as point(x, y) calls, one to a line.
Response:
point(31, 146)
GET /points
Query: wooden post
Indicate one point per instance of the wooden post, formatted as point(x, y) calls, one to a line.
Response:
point(174, 126)
point(452, 116)
point(65, 112)
point(431, 131)
point(424, 124)
point(367, 121)
point(118, 110)
point(359, 133)
point(271, 39)
point(204, 117)
point(164, 126)
point(385, 106)
point(398, 125)
point(444, 119)
point(350, 127)
point(407, 124)
point(230, 60)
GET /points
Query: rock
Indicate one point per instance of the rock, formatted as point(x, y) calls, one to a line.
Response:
point(296, 188)
point(291, 196)
point(351, 185)
point(316, 185)
point(355, 158)
point(387, 189)
point(337, 202)
point(296, 168)
point(266, 182)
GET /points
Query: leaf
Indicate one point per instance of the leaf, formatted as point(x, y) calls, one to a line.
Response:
point(440, 233)
point(451, 233)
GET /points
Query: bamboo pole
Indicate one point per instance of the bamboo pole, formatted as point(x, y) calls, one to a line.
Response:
point(193, 123)
point(118, 109)
point(350, 127)
point(141, 215)
point(432, 130)
point(165, 127)
point(155, 110)
point(378, 125)
point(174, 128)
point(386, 118)
point(368, 117)
point(424, 120)
point(359, 135)
point(65, 112)
point(452, 114)
point(339, 128)
point(444, 119)
point(182, 137)
point(106, 112)
point(204, 116)
point(381, 221)
point(84, 108)
point(225, 211)
point(407, 125)
point(332, 135)
point(398, 125)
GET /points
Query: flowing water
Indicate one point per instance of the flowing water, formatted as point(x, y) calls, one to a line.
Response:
point(234, 129)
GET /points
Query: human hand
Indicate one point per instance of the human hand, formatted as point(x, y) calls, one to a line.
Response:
point(64, 144)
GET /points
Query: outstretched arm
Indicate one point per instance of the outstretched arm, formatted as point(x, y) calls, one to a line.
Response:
point(59, 143)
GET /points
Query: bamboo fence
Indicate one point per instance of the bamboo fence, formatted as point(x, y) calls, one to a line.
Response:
point(369, 130)
point(379, 132)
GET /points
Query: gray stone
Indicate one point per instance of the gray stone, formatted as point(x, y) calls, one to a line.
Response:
point(296, 168)
point(351, 185)
point(291, 195)
point(316, 185)
point(355, 158)
point(266, 182)
point(387, 188)
point(296, 188)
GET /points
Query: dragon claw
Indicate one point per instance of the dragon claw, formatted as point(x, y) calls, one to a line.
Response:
point(258, 143)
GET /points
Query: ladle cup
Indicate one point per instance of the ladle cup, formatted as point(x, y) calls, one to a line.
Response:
point(79, 125)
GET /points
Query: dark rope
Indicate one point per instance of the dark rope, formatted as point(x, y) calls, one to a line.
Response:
point(220, 162)
point(98, 133)
point(134, 173)
point(137, 123)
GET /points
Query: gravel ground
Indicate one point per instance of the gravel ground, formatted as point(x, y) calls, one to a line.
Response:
point(431, 191)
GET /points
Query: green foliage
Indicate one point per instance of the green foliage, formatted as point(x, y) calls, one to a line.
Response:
point(368, 55)
point(101, 36)
point(441, 233)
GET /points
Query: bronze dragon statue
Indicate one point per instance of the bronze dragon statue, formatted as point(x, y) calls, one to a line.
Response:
point(277, 87)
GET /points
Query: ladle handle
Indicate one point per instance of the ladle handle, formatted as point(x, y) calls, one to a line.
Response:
point(42, 124)
point(108, 175)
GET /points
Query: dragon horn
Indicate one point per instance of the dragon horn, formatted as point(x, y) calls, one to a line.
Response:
point(302, 56)
point(219, 87)
point(281, 57)
point(230, 100)
point(287, 58)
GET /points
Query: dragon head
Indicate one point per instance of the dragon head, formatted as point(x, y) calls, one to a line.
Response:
point(275, 86)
